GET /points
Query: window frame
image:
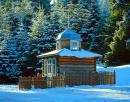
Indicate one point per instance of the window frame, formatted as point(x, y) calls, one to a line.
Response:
point(50, 66)
point(58, 45)
point(77, 47)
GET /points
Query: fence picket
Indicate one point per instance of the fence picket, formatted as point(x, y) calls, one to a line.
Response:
point(69, 78)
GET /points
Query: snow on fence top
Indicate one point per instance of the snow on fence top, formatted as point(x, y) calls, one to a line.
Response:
point(66, 52)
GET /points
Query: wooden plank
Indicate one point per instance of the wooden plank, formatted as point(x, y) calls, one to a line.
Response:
point(70, 78)
point(24, 83)
point(77, 66)
point(91, 78)
point(75, 57)
point(106, 78)
point(75, 60)
point(39, 82)
point(73, 63)
point(74, 68)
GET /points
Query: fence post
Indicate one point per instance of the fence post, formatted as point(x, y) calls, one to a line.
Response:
point(114, 77)
point(25, 83)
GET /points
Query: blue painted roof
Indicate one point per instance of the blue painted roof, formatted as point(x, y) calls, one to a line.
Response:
point(66, 52)
point(68, 34)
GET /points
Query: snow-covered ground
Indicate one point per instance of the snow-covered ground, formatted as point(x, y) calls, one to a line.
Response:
point(106, 93)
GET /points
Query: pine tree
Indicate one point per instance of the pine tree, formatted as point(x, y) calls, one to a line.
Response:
point(119, 52)
point(17, 21)
point(9, 56)
point(45, 4)
point(44, 30)
point(80, 19)
point(106, 25)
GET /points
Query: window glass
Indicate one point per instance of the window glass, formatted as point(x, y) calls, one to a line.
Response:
point(53, 64)
point(74, 45)
point(45, 66)
point(50, 66)
point(58, 45)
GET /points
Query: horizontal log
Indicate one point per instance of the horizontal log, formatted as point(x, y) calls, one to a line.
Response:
point(75, 63)
point(69, 59)
point(74, 58)
point(76, 69)
point(77, 66)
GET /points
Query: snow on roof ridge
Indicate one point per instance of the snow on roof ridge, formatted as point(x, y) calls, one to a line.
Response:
point(50, 53)
point(66, 52)
point(79, 54)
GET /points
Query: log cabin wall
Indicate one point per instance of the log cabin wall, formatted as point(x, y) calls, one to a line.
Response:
point(72, 64)
point(65, 44)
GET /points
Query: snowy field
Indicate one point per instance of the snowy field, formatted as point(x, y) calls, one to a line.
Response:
point(107, 93)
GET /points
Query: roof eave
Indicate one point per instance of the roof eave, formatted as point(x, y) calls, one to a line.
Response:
point(69, 39)
point(43, 56)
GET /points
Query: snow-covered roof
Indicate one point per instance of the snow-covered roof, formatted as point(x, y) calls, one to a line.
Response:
point(68, 34)
point(66, 52)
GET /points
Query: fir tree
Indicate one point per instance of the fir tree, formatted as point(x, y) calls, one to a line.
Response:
point(17, 21)
point(119, 52)
point(45, 4)
point(44, 30)
point(9, 56)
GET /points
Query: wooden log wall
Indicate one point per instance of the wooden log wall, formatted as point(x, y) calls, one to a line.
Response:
point(65, 44)
point(66, 64)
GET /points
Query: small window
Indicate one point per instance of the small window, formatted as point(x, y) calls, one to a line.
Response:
point(58, 46)
point(74, 45)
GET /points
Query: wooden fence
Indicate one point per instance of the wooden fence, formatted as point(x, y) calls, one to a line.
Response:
point(58, 81)
point(39, 82)
point(89, 78)
point(105, 78)
point(25, 83)
point(85, 78)
point(70, 79)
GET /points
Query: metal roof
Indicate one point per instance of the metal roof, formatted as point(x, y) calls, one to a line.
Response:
point(66, 52)
point(68, 34)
